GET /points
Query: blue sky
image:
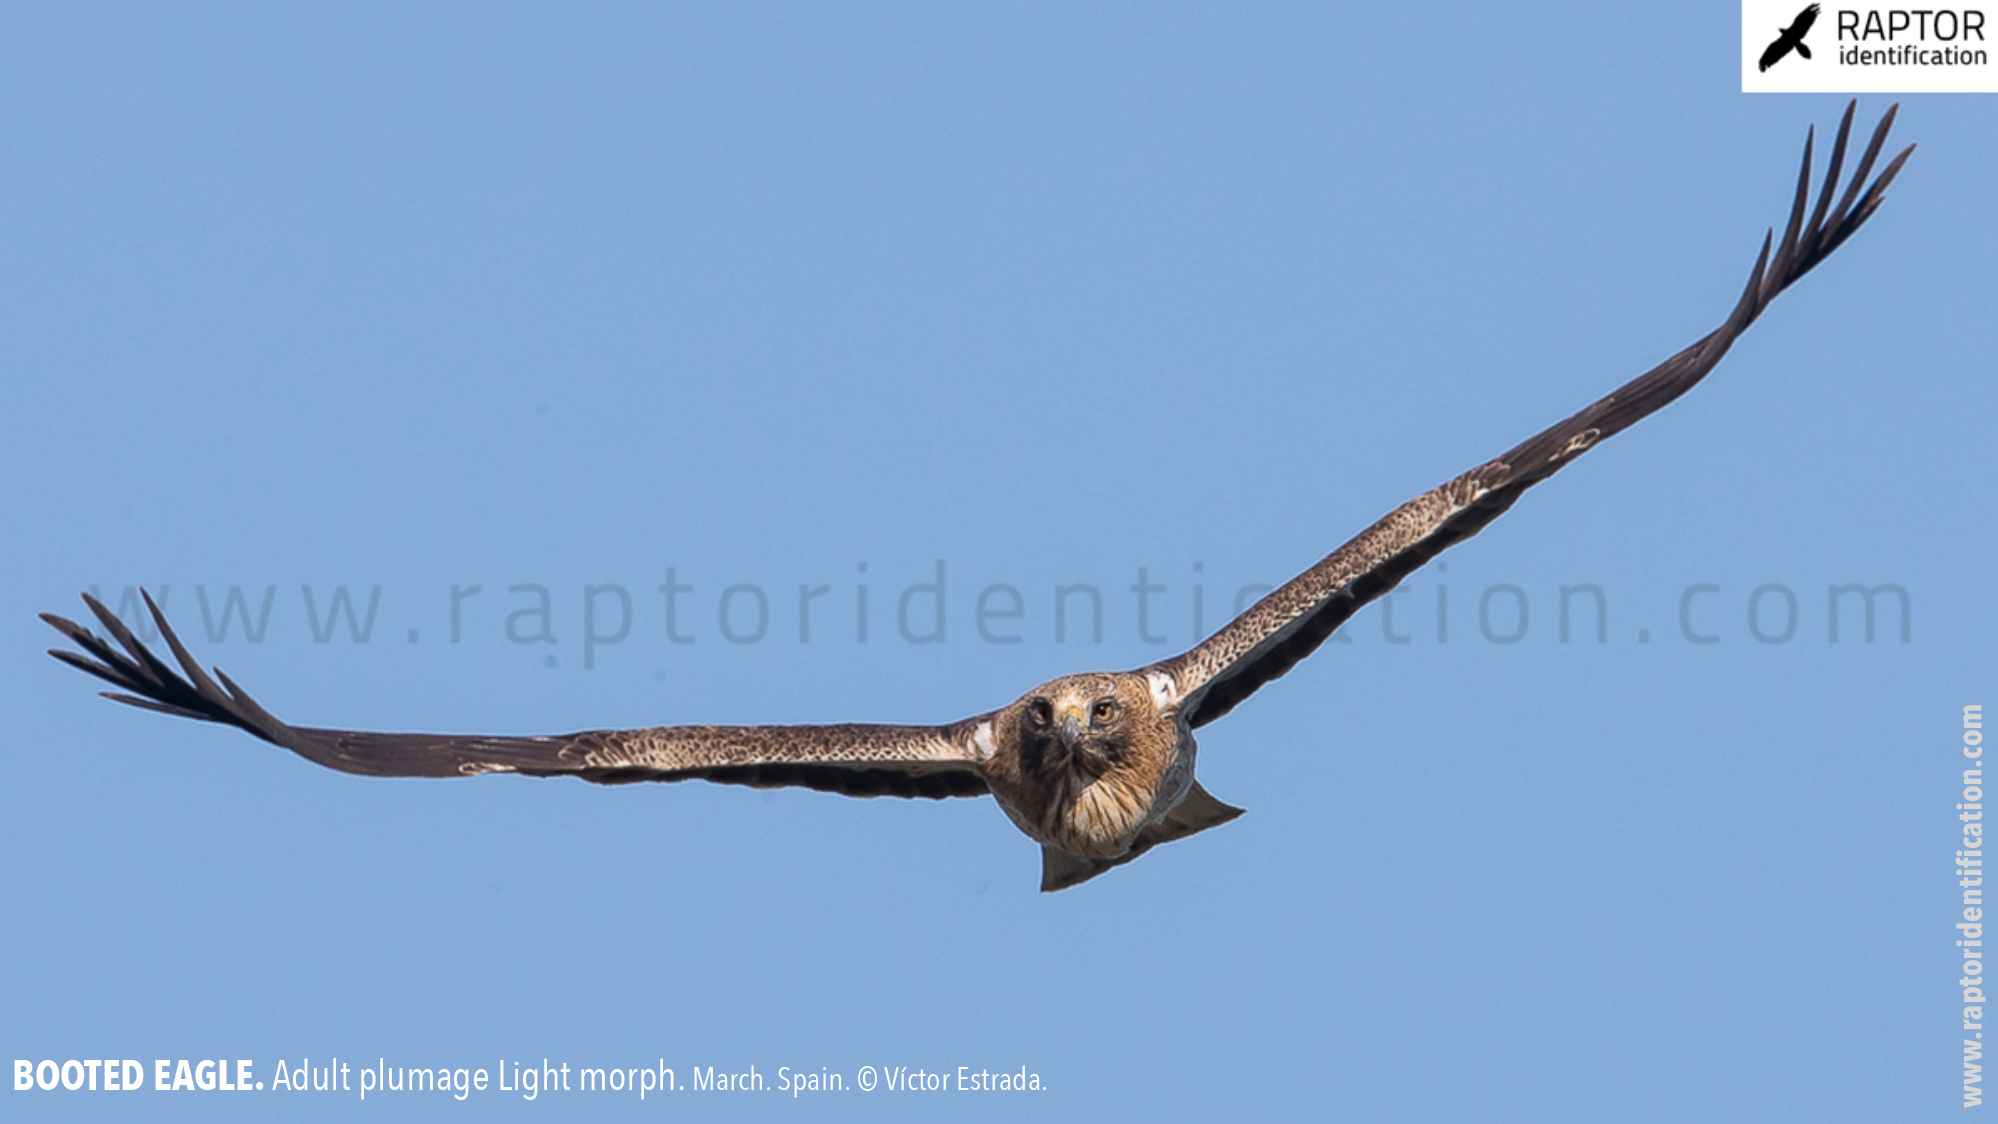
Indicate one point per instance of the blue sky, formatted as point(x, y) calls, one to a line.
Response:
point(771, 299)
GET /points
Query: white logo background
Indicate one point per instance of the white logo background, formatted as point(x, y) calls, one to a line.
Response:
point(1905, 48)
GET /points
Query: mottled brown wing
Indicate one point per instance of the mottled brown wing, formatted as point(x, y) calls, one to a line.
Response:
point(857, 760)
point(1286, 626)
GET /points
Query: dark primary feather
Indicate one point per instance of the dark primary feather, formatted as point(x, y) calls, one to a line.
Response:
point(1286, 626)
point(857, 760)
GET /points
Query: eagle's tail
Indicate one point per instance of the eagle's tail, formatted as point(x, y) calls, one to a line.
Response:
point(1196, 813)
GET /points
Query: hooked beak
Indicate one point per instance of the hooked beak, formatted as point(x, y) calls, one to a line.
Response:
point(1068, 724)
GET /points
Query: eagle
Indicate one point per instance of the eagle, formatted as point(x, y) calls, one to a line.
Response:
point(1097, 768)
point(1791, 37)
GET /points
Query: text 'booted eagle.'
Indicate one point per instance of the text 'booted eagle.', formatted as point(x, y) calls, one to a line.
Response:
point(1097, 768)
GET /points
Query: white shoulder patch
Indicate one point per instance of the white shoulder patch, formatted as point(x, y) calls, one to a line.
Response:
point(981, 741)
point(1165, 691)
point(1579, 443)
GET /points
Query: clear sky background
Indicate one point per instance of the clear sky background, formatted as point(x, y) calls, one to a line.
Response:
point(423, 299)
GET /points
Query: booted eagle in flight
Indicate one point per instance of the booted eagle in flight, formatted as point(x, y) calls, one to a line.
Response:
point(1097, 768)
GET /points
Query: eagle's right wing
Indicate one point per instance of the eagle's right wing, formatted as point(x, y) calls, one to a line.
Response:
point(857, 760)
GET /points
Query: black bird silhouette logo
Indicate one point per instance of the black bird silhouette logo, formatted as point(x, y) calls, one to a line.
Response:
point(1791, 39)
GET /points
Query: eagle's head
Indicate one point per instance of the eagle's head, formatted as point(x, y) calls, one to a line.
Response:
point(1096, 759)
point(1089, 724)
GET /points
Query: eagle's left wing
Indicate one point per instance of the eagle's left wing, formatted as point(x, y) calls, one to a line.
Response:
point(857, 760)
point(1801, 26)
point(1286, 626)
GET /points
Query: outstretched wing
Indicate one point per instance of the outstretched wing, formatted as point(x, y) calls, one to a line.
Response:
point(1286, 626)
point(857, 760)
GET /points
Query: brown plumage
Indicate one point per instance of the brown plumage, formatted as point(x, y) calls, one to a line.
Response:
point(1097, 768)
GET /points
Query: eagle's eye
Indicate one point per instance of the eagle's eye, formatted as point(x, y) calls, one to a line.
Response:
point(1104, 711)
point(1039, 712)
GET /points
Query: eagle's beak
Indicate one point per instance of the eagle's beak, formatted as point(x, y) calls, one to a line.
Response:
point(1069, 725)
